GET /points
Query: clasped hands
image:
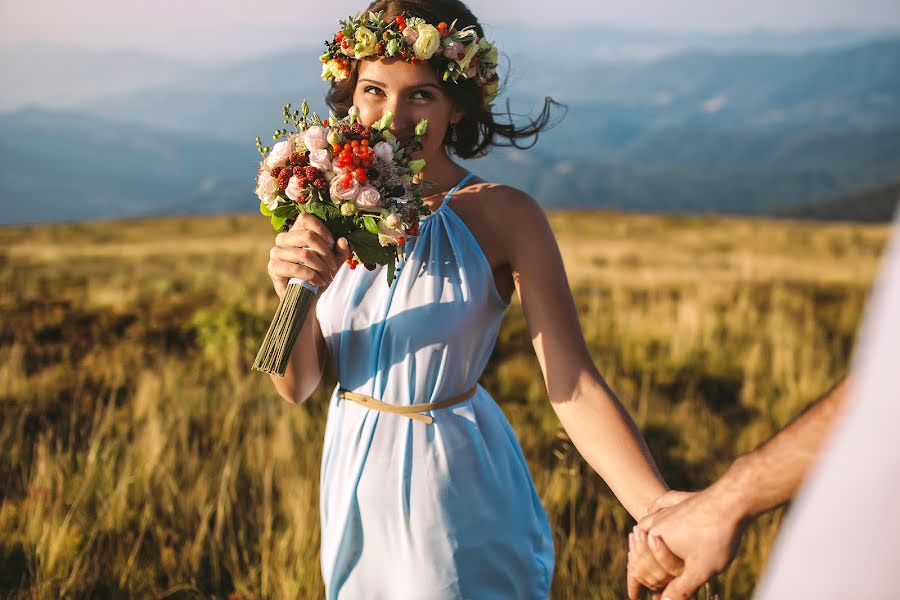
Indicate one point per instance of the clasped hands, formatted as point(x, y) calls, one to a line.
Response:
point(685, 539)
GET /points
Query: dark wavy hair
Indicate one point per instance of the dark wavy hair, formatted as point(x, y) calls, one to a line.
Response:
point(480, 128)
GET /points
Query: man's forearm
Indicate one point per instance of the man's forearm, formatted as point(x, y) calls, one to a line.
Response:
point(770, 475)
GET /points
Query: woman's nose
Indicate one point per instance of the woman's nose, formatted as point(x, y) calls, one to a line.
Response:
point(401, 123)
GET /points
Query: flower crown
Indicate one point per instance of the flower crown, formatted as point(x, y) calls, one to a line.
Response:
point(459, 53)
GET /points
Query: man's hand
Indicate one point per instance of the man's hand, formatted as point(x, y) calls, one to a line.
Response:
point(703, 530)
point(668, 500)
point(645, 569)
point(649, 568)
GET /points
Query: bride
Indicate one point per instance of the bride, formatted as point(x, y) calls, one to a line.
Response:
point(425, 492)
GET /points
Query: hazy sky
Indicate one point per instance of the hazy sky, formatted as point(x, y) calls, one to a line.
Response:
point(202, 28)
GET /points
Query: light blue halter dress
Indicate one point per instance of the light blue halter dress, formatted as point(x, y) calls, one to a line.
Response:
point(417, 511)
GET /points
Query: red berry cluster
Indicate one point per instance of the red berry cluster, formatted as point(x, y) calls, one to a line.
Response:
point(344, 42)
point(310, 176)
point(298, 166)
point(357, 132)
point(353, 263)
point(355, 157)
point(343, 61)
point(282, 175)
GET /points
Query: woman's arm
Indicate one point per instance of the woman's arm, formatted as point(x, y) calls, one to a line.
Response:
point(595, 420)
point(307, 362)
point(308, 251)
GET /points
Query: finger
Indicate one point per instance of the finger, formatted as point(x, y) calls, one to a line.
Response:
point(321, 267)
point(668, 500)
point(646, 523)
point(303, 256)
point(634, 586)
point(287, 270)
point(666, 559)
point(304, 239)
point(684, 586)
point(342, 250)
point(313, 223)
point(646, 570)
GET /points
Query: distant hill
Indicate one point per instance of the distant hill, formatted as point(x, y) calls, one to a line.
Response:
point(855, 87)
point(62, 76)
point(586, 44)
point(613, 105)
point(66, 166)
point(677, 187)
point(873, 205)
point(698, 131)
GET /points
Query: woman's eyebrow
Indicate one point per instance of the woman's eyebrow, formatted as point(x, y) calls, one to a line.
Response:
point(427, 84)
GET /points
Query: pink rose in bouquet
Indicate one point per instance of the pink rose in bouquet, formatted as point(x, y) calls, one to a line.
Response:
point(368, 198)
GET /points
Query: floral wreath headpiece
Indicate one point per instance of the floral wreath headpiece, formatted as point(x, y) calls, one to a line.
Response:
point(459, 53)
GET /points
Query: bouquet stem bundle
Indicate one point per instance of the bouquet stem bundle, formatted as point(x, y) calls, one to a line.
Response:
point(278, 344)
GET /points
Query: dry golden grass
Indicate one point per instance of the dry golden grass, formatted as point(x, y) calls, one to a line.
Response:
point(140, 457)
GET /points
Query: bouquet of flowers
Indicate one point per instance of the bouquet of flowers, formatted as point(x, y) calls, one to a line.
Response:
point(359, 180)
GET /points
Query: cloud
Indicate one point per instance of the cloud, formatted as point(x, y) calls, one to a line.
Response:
point(715, 104)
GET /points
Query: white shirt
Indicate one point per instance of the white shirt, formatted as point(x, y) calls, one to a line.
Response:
point(842, 536)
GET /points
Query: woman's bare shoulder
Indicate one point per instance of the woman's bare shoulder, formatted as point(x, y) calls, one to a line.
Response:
point(504, 204)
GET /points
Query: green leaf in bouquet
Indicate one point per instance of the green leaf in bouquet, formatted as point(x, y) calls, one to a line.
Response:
point(342, 227)
point(324, 210)
point(286, 210)
point(278, 222)
point(368, 249)
point(370, 224)
point(264, 210)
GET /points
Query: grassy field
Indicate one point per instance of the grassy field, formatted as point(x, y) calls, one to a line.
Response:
point(139, 456)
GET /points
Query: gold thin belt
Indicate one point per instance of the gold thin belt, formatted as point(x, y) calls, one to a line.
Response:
point(412, 411)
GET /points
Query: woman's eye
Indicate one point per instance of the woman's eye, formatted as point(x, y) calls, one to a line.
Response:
point(422, 95)
point(370, 89)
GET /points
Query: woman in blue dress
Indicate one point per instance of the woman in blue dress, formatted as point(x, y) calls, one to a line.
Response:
point(425, 493)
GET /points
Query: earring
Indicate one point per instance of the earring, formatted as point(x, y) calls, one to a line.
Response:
point(453, 138)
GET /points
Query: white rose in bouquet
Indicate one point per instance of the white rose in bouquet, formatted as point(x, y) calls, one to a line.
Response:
point(267, 189)
point(279, 154)
point(315, 138)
